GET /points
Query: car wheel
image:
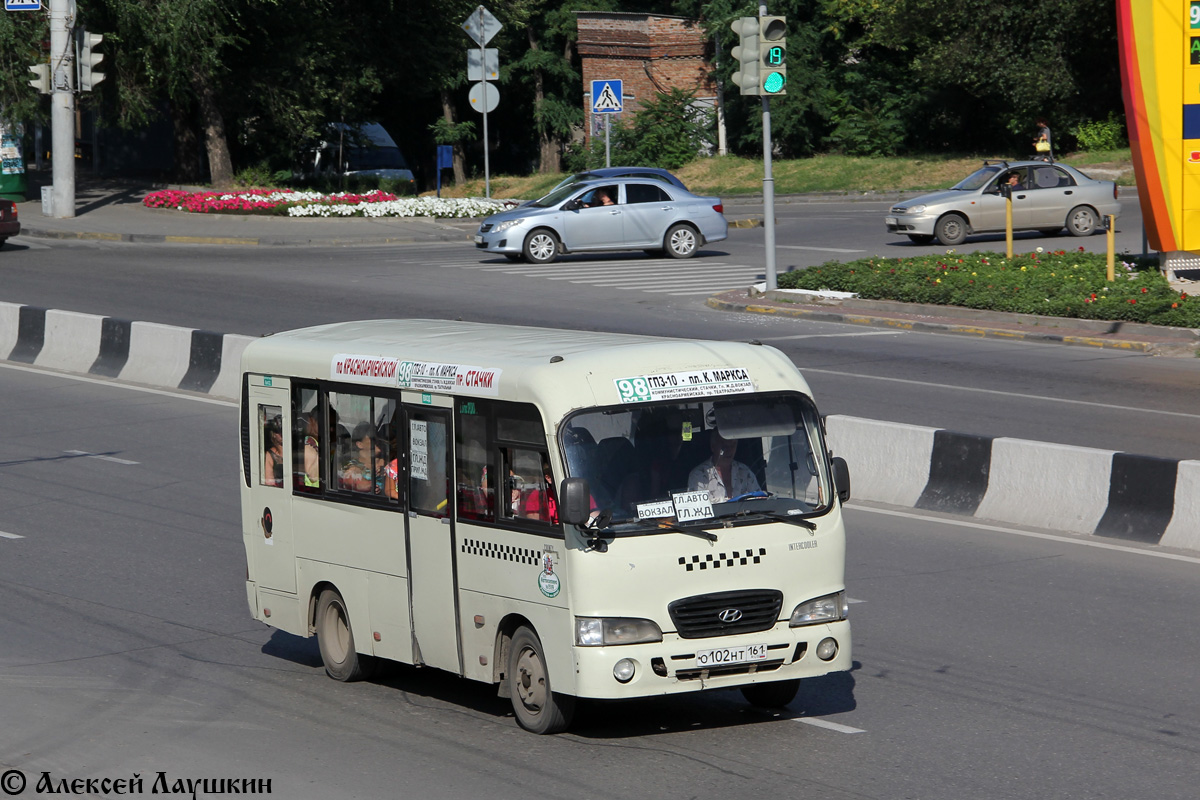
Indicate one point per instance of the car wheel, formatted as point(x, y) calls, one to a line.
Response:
point(681, 241)
point(541, 247)
point(1081, 221)
point(1049, 231)
point(513, 256)
point(951, 230)
point(537, 707)
point(920, 238)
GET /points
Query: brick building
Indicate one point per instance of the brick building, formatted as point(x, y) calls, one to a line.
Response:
point(649, 53)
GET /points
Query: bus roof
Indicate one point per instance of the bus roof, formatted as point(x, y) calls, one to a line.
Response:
point(559, 370)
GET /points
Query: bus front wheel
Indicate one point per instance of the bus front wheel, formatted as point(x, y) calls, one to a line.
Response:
point(536, 706)
point(336, 639)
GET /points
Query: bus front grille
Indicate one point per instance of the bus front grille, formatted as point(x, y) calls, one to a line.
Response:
point(726, 613)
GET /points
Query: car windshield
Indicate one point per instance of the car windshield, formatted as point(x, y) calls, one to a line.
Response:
point(977, 179)
point(555, 197)
point(701, 463)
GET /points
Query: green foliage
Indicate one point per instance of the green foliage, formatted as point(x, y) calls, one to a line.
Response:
point(447, 132)
point(1107, 134)
point(868, 129)
point(1059, 283)
point(668, 132)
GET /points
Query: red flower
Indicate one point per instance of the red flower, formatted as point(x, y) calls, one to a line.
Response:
point(1144, 290)
point(1132, 301)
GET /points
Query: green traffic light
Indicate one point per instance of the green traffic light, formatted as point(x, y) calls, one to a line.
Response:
point(774, 82)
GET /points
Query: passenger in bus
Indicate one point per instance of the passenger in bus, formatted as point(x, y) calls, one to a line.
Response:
point(721, 475)
point(542, 502)
point(308, 453)
point(359, 473)
point(272, 474)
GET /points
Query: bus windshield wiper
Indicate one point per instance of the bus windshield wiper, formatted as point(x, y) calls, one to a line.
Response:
point(703, 534)
point(801, 521)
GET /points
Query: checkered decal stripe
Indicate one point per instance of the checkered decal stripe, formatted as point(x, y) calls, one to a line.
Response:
point(501, 552)
point(709, 561)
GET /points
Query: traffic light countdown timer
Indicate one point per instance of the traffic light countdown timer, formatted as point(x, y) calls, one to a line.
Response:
point(761, 53)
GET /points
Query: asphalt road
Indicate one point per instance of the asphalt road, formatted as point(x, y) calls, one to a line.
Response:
point(990, 663)
point(1073, 395)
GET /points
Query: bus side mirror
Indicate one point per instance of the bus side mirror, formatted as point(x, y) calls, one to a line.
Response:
point(574, 501)
point(841, 478)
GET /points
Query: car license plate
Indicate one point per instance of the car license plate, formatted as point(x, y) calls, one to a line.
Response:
point(720, 656)
point(478, 240)
point(889, 220)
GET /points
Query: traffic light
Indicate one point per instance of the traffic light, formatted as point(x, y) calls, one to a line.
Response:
point(41, 79)
point(748, 55)
point(773, 39)
point(88, 58)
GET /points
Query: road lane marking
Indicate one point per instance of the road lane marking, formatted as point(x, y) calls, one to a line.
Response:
point(4, 535)
point(829, 335)
point(1056, 537)
point(818, 249)
point(113, 459)
point(998, 392)
point(817, 722)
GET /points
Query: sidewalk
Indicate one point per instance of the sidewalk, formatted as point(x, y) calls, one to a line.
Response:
point(112, 210)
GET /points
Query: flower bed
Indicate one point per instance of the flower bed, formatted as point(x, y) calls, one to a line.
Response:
point(1058, 284)
point(285, 202)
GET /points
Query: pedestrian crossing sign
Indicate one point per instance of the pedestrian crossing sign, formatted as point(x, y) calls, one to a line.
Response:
point(607, 97)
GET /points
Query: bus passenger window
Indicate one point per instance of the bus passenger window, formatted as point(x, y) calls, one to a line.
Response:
point(271, 441)
point(474, 495)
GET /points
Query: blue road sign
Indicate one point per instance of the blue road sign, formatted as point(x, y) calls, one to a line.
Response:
point(22, 5)
point(606, 97)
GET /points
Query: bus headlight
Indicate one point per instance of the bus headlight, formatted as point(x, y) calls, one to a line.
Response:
point(830, 608)
point(600, 631)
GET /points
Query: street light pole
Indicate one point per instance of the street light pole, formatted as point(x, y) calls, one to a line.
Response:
point(62, 107)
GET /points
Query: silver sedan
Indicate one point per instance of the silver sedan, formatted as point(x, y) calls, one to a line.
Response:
point(609, 214)
point(1046, 197)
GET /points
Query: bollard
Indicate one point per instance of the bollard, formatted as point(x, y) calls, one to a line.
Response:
point(1008, 232)
point(1111, 237)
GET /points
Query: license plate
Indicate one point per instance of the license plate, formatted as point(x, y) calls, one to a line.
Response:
point(889, 220)
point(478, 240)
point(720, 656)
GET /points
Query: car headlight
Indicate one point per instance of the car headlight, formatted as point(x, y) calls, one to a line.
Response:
point(600, 631)
point(830, 608)
point(915, 210)
point(508, 223)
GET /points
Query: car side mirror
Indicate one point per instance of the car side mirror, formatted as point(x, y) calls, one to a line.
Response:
point(573, 205)
point(841, 478)
point(574, 501)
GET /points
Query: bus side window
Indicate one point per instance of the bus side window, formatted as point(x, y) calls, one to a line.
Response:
point(270, 420)
point(306, 437)
point(475, 497)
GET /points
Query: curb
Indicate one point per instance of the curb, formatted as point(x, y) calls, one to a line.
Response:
point(1081, 490)
point(1102, 493)
point(1174, 342)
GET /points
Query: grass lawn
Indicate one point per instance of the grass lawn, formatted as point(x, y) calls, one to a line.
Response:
point(729, 176)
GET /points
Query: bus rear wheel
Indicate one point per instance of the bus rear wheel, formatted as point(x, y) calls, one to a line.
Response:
point(336, 639)
point(536, 706)
point(771, 695)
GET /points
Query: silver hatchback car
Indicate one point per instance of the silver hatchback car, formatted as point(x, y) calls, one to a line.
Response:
point(607, 214)
point(1046, 197)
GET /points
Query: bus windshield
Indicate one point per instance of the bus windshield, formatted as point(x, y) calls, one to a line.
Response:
point(757, 457)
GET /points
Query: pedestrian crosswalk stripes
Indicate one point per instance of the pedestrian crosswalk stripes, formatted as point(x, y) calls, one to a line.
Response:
point(653, 275)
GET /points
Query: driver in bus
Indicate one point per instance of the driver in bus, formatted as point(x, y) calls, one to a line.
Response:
point(720, 475)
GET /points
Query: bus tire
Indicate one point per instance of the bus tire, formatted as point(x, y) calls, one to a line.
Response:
point(537, 707)
point(336, 639)
point(771, 695)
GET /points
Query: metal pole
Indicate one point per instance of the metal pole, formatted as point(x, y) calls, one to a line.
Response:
point(487, 178)
point(607, 143)
point(768, 184)
point(62, 107)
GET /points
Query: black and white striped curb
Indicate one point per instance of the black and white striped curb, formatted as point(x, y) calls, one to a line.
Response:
point(1037, 484)
point(1059, 487)
point(138, 352)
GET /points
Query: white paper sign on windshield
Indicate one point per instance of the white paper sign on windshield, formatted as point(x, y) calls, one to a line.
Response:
point(656, 510)
point(692, 505)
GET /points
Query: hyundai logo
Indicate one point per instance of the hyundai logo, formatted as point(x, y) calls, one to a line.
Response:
point(730, 615)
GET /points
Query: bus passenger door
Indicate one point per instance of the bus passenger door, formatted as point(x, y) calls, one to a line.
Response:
point(267, 518)
point(432, 580)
